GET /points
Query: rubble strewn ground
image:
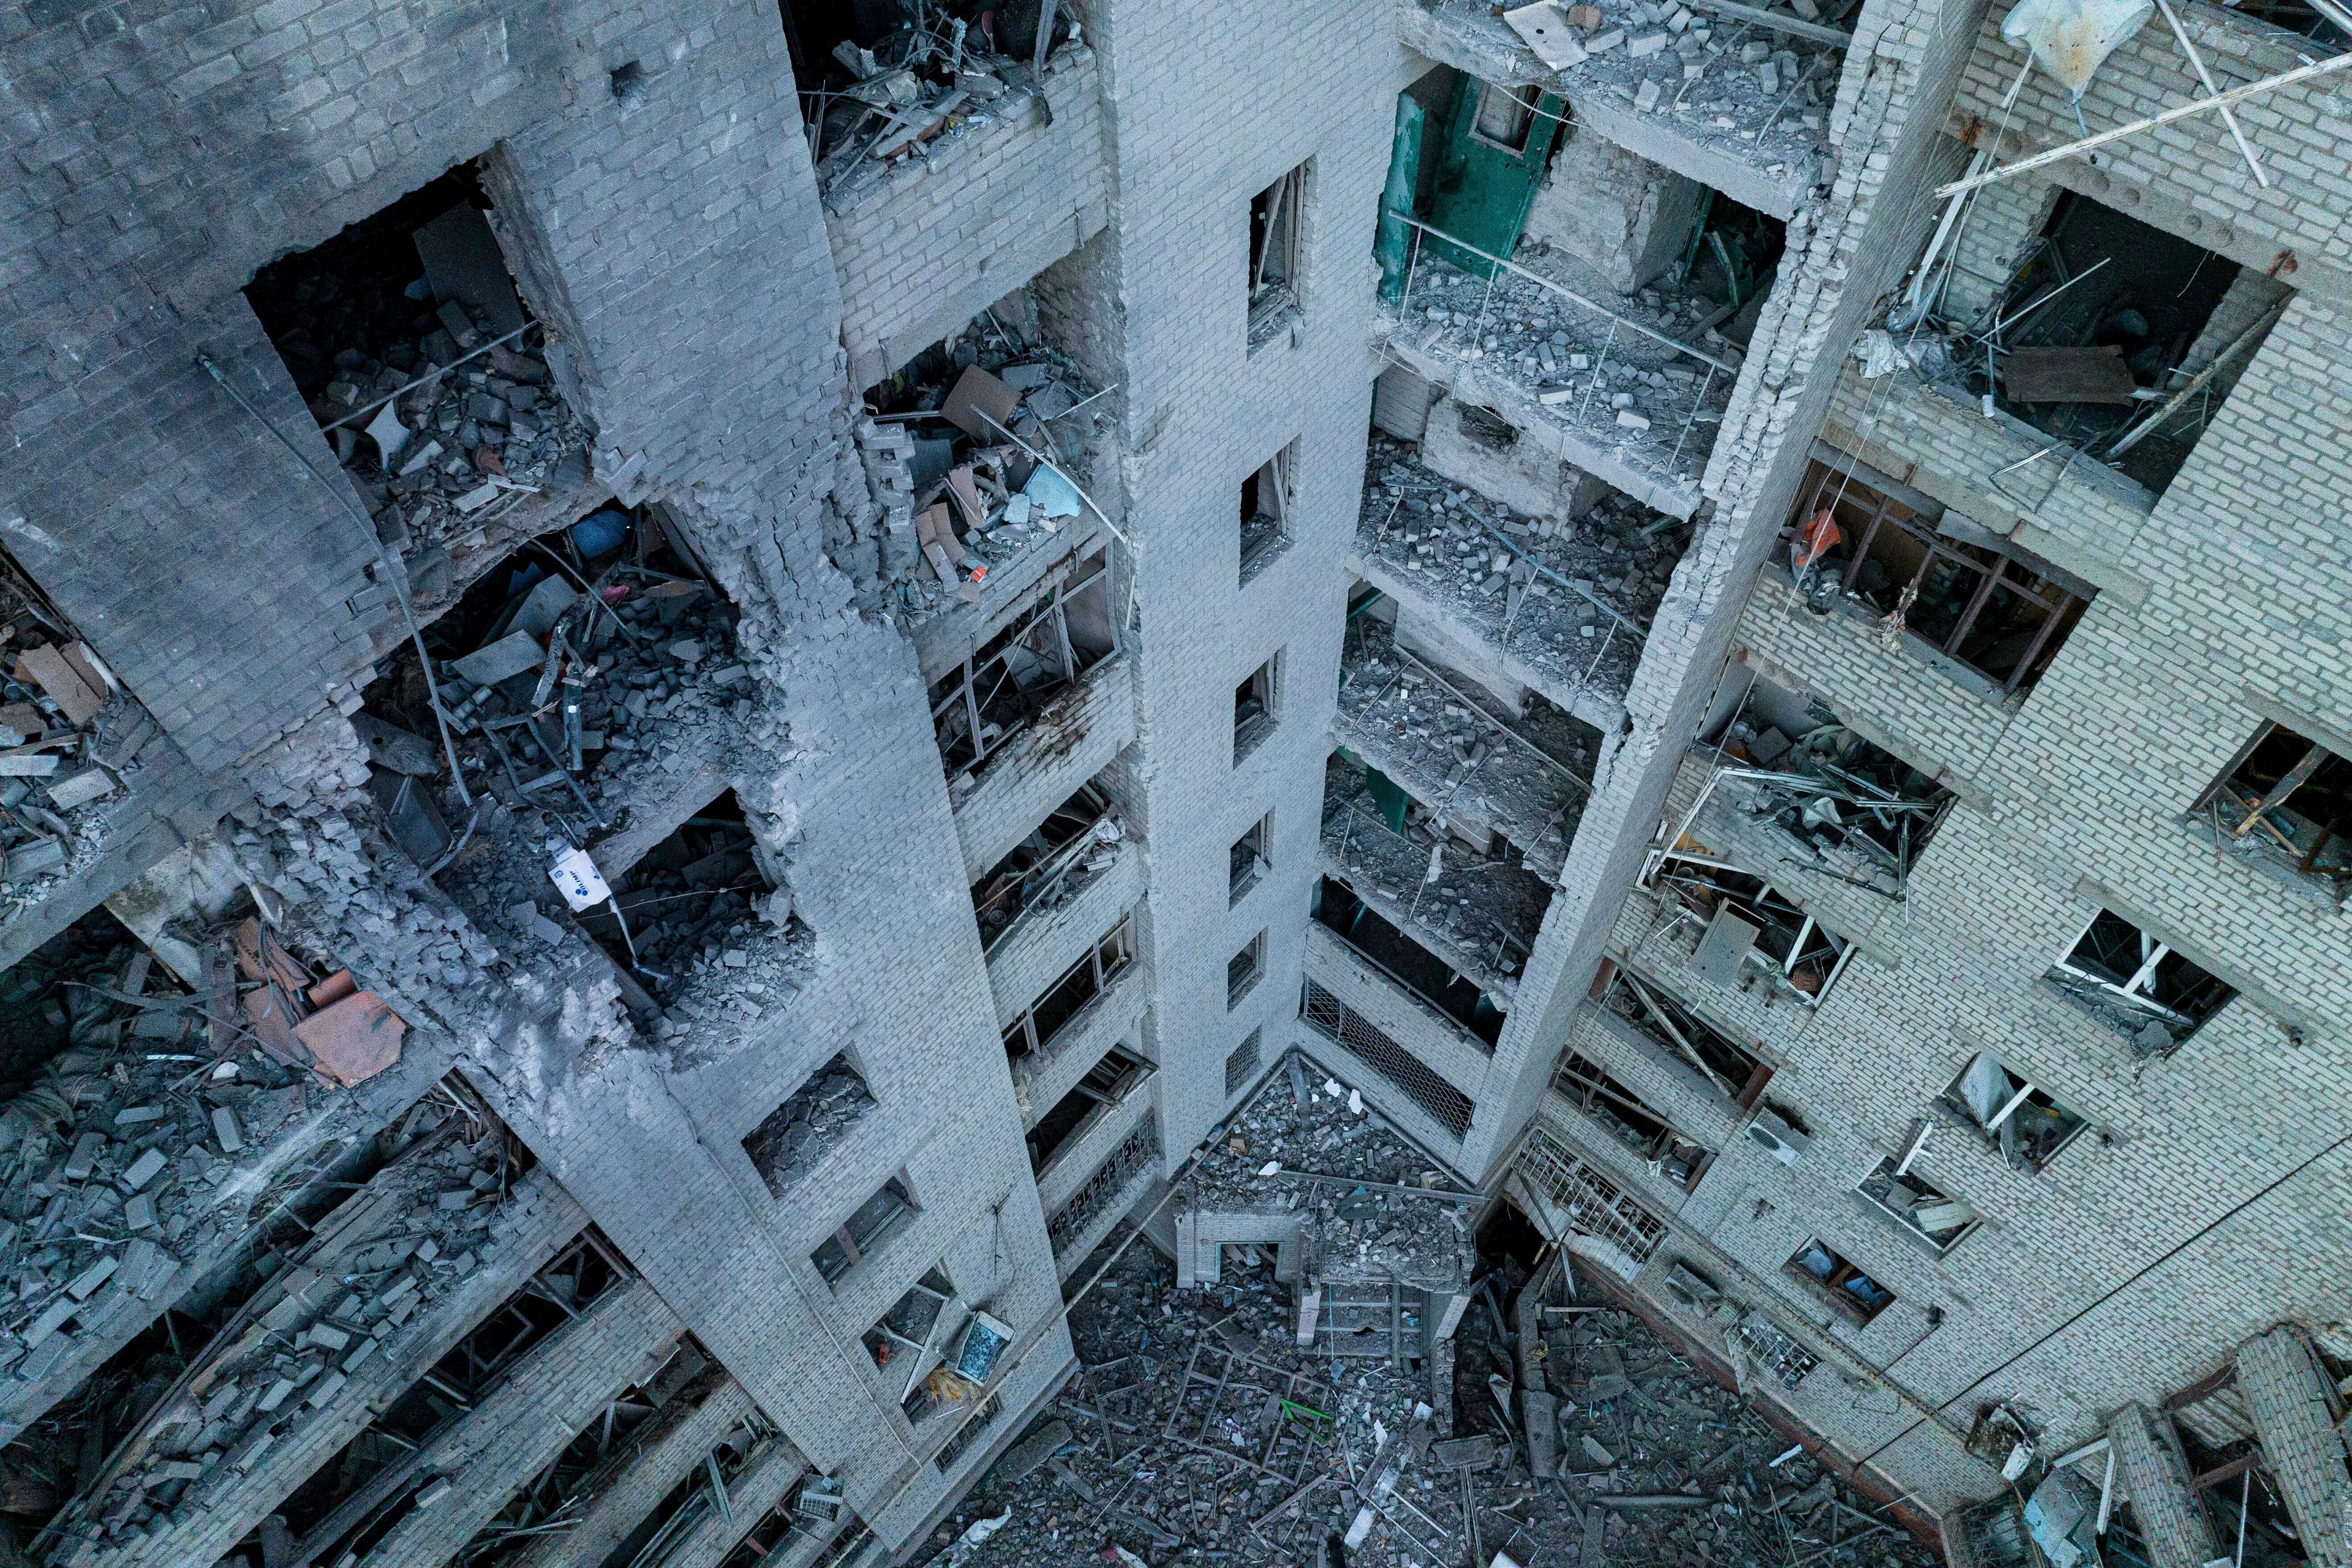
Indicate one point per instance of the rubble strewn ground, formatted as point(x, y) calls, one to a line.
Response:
point(1571, 600)
point(1661, 1464)
point(1445, 740)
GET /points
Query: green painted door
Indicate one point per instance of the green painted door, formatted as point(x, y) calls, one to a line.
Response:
point(1490, 158)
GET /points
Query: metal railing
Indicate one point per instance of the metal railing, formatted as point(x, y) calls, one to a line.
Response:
point(1594, 375)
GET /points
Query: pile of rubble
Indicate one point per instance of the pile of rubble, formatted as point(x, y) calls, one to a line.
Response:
point(1482, 912)
point(69, 736)
point(944, 71)
point(433, 384)
point(1524, 776)
point(407, 1240)
point(1571, 599)
point(159, 1096)
point(979, 450)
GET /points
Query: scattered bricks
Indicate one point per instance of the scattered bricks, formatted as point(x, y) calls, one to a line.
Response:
point(1647, 44)
point(84, 1158)
point(225, 1129)
point(91, 1277)
point(144, 1169)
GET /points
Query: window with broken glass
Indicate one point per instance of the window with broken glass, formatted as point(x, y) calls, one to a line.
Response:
point(1248, 861)
point(1273, 225)
point(911, 1340)
point(2287, 799)
point(1035, 1032)
point(1589, 1087)
point(1903, 1195)
point(1849, 802)
point(1265, 512)
point(1254, 710)
point(1077, 841)
point(1000, 689)
point(873, 1222)
point(1853, 1292)
point(2135, 981)
point(2017, 1116)
point(1798, 954)
point(1735, 1072)
point(1995, 612)
point(1243, 970)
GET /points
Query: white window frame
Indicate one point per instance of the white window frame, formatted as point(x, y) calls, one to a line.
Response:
point(1911, 1227)
point(1807, 926)
point(2153, 951)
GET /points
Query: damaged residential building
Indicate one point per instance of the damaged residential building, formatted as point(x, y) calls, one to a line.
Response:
point(810, 784)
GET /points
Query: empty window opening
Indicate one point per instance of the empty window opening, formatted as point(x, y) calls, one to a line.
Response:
point(1036, 1035)
point(791, 1139)
point(1250, 860)
point(1002, 687)
point(355, 1500)
point(1267, 498)
point(1751, 929)
point(406, 337)
point(2104, 314)
point(2136, 982)
point(1107, 1083)
point(1253, 710)
point(561, 663)
point(1467, 888)
point(694, 906)
point(1851, 803)
point(1137, 1152)
point(1243, 970)
point(1274, 253)
point(1991, 608)
point(2287, 800)
point(877, 88)
point(2296, 16)
point(1654, 1141)
point(1404, 961)
point(70, 731)
point(873, 1222)
point(991, 435)
point(1077, 842)
point(1854, 1293)
point(553, 1500)
point(910, 1342)
point(1503, 116)
point(2017, 1116)
point(1918, 1205)
point(1414, 1079)
point(1734, 1071)
point(1242, 1063)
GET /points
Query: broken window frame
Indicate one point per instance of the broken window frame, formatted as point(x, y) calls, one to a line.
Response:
point(1588, 1085)
point(850, 1245)
point(1766, 910)
point(1106, 960)
point(1836, 1287)
point(959, 720)
point(1265, 531)
point(1019, 892)
point(2000, 1133)
point(2227, 798)
point(1239, 985)
point(2134, 992)
point(930, 1351)
point(1680, 1029)
point(2060, 615)
point(1264, 687)
point(1108, 1083)
point(1891, 1169)
point(1275, 215)
point(1242, 875)
point(1521, 116)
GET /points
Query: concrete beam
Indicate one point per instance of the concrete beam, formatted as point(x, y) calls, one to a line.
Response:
point(519, 1430)
point(2294, 1417)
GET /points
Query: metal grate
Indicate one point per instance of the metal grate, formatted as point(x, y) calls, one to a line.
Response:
point(966, 1435)
point(1447, 1105)
point(1594, 1204)
point(1075, 1218)
point(1242, 1065)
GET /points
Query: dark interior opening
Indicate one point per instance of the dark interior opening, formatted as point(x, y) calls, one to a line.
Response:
point(1411, 964)
point(693, 894)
